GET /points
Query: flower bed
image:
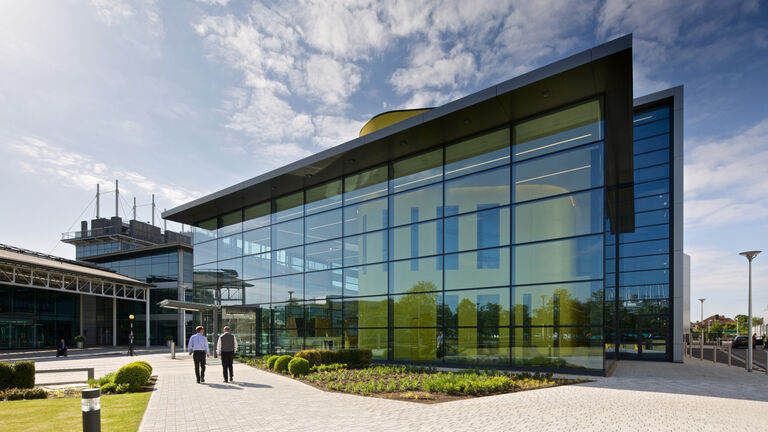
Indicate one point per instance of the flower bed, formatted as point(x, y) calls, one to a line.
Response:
point(419, 383)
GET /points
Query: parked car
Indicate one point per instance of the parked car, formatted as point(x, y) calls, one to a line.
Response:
point(739, 341)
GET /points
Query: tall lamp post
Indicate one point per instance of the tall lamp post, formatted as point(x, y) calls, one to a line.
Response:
point(701, 321)
point(130, 336)
point(750, 255)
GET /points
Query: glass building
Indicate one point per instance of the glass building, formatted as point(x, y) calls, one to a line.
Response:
point(519, 227)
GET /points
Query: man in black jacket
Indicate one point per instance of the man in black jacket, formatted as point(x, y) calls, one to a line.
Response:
point(226, 348)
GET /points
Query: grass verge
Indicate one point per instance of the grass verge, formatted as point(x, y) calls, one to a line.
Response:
point(121, 413)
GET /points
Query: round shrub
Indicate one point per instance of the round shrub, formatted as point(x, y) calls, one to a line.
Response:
point(135, 375)
point(24, 374)
point(122, 388)
point(312, 356)
point(271, 361)
point(6, 376)
point(35, 393)
point(146, 365)
point(281, 365)
point(298, 366)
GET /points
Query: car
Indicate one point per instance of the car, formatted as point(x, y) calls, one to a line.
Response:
point(740, 341)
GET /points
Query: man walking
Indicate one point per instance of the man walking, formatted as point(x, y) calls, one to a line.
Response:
point(226, 349)
point(198, 348)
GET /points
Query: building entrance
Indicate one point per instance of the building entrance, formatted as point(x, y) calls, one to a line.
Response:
point(646, 338)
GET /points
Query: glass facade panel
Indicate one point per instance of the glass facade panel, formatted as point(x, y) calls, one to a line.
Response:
point(323, 256)
point(257, 266)
point(366, 280)
point(477, 191)
point(206, 252)
point(323, 285)
point(415, 310)
point(256, 216)
point(366, 185)
point(288, 207)
point(365, 248)
point(417, 275)
point(287, 288)
point(558, 304)
point(323, 226)
point(230, 247)
point(564, 216)
point(257, 291)
point(257, 241)
point(650, 144)
point(288, 234)
point(560, 173)
point(323, 197)
point(417, 171)
point(484, 268)
point(563, 129)
point(477, 154)
point(366, 312)
point(652, 159)
point(230, 223)
point(205, 230)
point(488, 228)
point(367, 216)
point(652, 128)
point(416, 240)
point(417, 205)
point(288, 261)
point(558, 261)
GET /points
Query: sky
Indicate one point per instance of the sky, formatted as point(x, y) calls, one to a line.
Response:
point(181, 99)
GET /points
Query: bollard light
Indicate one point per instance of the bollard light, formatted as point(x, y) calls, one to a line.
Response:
point(91, 405)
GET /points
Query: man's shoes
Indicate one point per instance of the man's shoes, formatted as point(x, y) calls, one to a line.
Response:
point(198, 381)
point(225, 380)
point(202, 379)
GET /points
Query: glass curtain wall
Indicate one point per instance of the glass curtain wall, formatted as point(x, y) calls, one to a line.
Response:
point(638, 265)
point(483, 251)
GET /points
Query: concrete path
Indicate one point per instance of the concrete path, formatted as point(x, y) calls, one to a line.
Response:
point(693, 396)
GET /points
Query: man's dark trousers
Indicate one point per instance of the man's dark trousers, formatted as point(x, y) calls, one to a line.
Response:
point(227, 358)
point(199, 357)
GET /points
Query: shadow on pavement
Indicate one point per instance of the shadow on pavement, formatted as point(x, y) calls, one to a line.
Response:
point(223, 386)
point(253, 385)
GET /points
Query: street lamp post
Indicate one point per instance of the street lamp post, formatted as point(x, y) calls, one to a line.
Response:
point(130, 336)
point(701, 330)
point(750, 255)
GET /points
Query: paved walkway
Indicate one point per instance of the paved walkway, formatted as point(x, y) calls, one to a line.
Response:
point(639, 396)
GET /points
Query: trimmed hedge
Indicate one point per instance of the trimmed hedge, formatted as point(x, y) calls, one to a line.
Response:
point(354, 358)
point(35, 393)
point(327, 357)
point(146, 365)
point(6, 376)
point(271, 361)
point(298, 366)
point(134, 375)
point(281, 365)
point(311, 356)
point(24, 374)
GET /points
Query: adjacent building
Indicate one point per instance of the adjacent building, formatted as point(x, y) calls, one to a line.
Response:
point(44, 299)
point(142, 251)
point(534, 224)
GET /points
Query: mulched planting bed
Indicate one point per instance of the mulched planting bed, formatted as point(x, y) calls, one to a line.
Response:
point(425, 385)
point(73, 392)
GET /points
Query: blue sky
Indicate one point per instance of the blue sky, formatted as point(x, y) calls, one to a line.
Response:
point(182, 99)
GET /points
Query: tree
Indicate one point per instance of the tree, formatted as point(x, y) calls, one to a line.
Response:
point(742, 321)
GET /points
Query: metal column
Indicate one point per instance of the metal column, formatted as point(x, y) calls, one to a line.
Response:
point(80, 296)
point(114, 322)
point(147, 319)
point(215, 329)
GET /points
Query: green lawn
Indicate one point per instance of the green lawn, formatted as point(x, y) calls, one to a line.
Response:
point(118, 413)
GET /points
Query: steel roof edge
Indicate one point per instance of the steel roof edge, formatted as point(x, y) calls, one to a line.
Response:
point(573, 61)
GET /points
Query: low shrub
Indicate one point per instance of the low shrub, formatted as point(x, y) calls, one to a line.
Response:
point(329, 367)
point(35, 393)
point(311, 356)
point(24, 374)
point(134, 375)
point(355, 358)
point(6, 376)
point(14, 394)
point(298, 366)
point(281, 364)
point(271, 361)
point(328, 357)
point(98, 382)
point(79, 338)
point(109, 387)
point(122, 388)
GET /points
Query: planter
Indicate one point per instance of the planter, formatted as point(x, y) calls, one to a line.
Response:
point(168, 343)
point(80, 344)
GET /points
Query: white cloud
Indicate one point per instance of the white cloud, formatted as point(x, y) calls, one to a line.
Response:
point(330, 81)
point(333, 130)
point(429, 67)
point(62, 167)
